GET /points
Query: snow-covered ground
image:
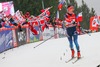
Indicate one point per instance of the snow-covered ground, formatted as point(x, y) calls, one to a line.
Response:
point(53, 53)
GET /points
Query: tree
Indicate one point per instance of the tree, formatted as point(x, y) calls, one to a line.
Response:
point(92, 12)
point(87, 13)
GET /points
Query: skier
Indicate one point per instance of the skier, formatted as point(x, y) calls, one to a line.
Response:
point(71, 24)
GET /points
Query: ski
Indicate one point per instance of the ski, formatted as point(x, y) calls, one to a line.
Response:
point(70, 60)
point(77, 60)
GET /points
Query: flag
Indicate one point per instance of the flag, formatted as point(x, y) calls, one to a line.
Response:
point(33, 30)
point(42, 24)
point(31, 25)
point(60, 5)
point(19, 16)
point(45, 12)
point(94, 23)
point(79, 17)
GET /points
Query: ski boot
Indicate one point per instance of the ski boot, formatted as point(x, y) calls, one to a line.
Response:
point(78, 55)
point(73, 52)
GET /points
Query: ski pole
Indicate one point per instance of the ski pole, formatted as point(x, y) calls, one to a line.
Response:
point(86, 31)
point(45, 40)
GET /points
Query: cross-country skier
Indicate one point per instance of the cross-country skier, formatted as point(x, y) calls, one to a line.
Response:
point(71, 24)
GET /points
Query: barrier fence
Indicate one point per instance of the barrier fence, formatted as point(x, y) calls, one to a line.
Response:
point(12, 37)
point(6, 39)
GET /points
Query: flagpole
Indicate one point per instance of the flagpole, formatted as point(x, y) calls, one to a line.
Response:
point(42, 4)
point(66, 1)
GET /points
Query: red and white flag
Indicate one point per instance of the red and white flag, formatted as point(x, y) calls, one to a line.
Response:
point(60, 5)
point(79, 17)
point(94, 23)
point(45, 12)
point(19, 16)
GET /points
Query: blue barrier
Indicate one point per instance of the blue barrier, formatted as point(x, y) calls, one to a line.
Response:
point(9, 39)
point(2, 41)
point(6, 40)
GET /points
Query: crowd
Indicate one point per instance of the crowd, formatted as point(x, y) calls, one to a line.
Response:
point(19, 19)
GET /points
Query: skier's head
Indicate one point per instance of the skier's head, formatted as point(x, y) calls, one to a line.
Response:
point(70, 9)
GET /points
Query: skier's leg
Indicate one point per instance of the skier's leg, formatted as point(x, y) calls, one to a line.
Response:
point(70, 42)
point(77, 45)
point(71, 45)
point(76, 42)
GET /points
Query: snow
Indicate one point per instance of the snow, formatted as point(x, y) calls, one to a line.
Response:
point(53, 53)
